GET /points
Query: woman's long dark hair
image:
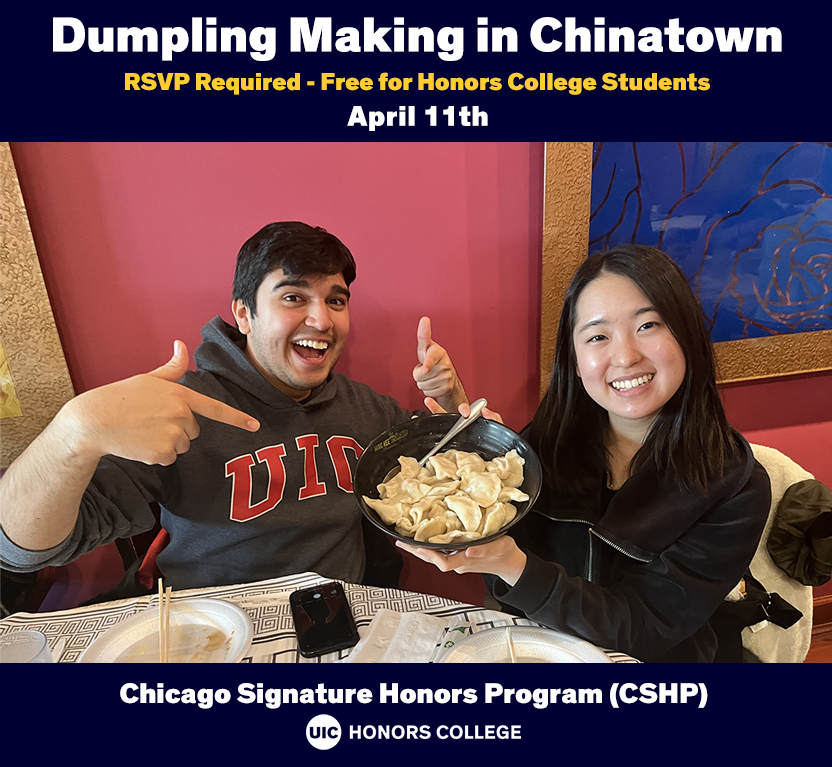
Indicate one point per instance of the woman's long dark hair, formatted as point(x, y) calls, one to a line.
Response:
point(690, 438)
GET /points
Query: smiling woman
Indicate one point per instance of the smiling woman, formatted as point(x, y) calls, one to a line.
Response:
point(628, 360)
point(629, 313)
point(652, 505)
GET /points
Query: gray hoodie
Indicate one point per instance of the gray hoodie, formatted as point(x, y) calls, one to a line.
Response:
point(241, 506)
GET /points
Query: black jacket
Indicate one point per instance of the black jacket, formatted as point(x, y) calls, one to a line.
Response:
point(642, 573)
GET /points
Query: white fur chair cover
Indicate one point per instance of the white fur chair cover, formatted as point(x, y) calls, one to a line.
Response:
point(771, 643)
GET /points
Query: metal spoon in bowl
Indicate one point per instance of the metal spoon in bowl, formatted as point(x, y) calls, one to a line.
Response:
point(462, 423)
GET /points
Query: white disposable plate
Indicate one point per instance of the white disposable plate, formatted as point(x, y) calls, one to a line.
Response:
point(532, 644)
point(201, 631)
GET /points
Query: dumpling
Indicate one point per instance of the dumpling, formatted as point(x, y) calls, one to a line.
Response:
point(443, 489)
point(469, 463)
point(452, 521)
point(419, 511)
point(496, 517)
point(429, 528)
point(509, 468)
point(410, 467)
point(414, 489)
point(512, 494)
point(405, 526)
point(428, 476)
point(483, 487)
point(390, 488)
point(468, 511)
point(452, 536)
point(444, 467)
point(389, 511)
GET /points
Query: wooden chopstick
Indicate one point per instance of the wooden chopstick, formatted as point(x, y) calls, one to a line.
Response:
point(164, 623)
point(167, 624)
point(511, 645)
point(161, 622)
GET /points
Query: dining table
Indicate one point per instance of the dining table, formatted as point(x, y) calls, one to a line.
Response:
point(70, 632)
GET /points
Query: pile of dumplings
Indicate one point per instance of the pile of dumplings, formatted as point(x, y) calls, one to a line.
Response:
point(457, 496)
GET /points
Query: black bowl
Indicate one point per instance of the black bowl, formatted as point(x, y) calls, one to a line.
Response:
point(416, 438)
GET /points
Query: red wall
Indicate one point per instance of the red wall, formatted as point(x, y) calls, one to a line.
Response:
point(137, 244)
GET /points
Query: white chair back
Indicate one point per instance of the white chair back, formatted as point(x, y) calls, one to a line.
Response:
point(771, 643)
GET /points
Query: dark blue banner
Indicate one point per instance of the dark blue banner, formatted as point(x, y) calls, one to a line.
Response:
point(413, 713)
point(404, 72)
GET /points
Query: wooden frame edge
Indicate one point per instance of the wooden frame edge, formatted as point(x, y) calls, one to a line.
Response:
point(566, 209)
point(822, 611)
point(774, 356)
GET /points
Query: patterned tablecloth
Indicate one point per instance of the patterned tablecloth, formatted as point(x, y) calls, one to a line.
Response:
point(70, 632)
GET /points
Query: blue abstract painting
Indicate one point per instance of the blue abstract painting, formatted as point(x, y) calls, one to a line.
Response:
point(750, 224)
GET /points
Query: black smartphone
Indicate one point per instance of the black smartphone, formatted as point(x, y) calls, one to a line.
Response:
point(323, 620)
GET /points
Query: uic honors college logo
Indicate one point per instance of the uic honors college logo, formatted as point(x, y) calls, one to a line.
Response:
point(323, 732)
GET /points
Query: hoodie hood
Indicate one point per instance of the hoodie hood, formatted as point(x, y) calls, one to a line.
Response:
point(223, 353)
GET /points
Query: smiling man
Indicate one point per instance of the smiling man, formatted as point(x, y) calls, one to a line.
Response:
point(299, 334)
point(250, 457)
point(295, 315)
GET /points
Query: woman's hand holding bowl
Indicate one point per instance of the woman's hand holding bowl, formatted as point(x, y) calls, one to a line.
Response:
point(502, 558)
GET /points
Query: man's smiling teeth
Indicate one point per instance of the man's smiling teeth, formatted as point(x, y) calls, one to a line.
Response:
point(313, 344)
point(632, 384)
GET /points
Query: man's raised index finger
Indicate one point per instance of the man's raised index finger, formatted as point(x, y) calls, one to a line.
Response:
point(219, 411)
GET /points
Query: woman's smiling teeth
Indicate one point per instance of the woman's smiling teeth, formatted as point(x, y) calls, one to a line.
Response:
point(632, 383)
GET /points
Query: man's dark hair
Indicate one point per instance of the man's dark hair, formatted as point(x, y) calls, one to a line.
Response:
point(296, 248)
point(690, 439)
